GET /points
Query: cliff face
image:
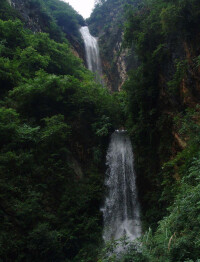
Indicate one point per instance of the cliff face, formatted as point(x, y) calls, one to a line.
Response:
point(31, 14)
point(163, 88)
point(161, 66)
point(107, 22)
point(177, 75)
point(55, 123)
point(56, 18)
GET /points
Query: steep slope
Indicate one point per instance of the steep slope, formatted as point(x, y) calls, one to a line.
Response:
point(107, 22)
point(55, 123)
point(162, 60)
point(163, 120)
point(165, 85)
point(54, 17)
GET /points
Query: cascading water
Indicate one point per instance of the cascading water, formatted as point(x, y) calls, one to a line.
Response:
point(92, 53)
point(121, 210)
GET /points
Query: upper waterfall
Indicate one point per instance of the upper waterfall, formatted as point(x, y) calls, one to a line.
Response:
point(92, 52)
point(121, 210)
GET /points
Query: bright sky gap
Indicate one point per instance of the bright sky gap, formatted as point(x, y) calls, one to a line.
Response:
point(83, 7)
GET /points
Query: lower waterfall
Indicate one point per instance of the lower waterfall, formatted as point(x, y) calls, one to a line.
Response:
point(121, 211)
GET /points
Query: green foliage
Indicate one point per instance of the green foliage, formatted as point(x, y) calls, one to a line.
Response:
point(177, 235)
point(55, 17)
point(66, 18)
point(54, 127)
point(170, 17)
point(6, 12)
point(102, 127)
point(174, 84)
point(157, 29)
point(176, 238)
point(167, 172)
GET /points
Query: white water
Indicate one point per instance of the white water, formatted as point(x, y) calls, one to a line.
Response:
point(92, 52)
point(121, 211)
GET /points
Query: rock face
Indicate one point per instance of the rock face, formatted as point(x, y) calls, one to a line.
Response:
point(29, 13)
point(171, 85)
point(106, 22)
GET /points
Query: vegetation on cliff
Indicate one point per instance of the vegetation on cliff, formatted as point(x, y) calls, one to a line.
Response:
point(54, 17)
point(163, 120)
point(55, 122)
point(106, 22)
point(54, 125)
point(162, 115)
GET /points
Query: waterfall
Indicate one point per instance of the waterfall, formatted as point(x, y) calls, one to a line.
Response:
point(121, 211)
point(92, 53)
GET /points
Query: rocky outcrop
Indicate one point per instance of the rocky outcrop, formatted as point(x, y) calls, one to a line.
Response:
point(114, 61)
point(31, 15)
point(106, 22)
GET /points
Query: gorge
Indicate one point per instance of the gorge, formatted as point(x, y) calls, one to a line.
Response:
point(70, 185)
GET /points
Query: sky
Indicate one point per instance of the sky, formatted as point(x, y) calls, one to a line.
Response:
point(83, 7)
